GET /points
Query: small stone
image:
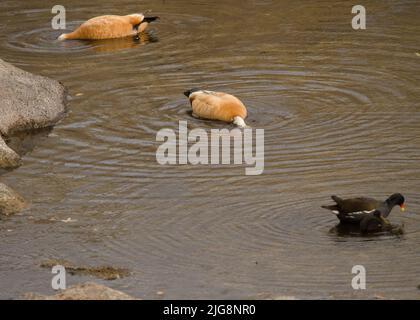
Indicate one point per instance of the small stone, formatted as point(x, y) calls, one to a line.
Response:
point(285, 298)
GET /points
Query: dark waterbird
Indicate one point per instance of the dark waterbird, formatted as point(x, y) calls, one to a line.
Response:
point(370, 214)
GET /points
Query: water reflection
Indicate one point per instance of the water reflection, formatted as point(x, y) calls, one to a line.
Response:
point(24, 142)
point(110, 45)
point(350, 230)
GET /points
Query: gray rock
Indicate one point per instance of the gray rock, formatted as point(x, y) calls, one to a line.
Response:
point(84, 291)
point(10, 201)
point(28, 102)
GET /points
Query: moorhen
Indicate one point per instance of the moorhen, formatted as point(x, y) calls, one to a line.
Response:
point(354, 210)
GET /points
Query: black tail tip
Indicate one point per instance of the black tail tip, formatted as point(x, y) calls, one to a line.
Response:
point(335, 198)
point(150, 19)
point(188, 92)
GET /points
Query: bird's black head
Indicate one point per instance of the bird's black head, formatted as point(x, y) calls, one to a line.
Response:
point(188, 92)
point(396, 199)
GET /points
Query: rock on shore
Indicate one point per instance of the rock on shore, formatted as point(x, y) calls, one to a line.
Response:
point(85, 291)
point(28, 102)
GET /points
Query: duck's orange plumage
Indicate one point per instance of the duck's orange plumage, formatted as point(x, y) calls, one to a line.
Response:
point(217, 106)
point(109, 27)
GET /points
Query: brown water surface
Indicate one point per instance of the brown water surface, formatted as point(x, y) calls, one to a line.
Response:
point(340, 109)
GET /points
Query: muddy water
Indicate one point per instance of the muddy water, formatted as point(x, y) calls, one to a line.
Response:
point(340, 109)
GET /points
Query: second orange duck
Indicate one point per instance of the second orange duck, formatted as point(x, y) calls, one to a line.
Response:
point(109, 27)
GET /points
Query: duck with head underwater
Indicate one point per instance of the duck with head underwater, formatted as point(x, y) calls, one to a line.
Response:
point(220, 106)
point(110, 27)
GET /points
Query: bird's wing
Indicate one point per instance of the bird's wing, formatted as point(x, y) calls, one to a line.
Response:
point(362, 205)
point(100, 20)
point(204, 105)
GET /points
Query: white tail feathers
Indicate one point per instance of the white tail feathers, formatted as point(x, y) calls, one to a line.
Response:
point(240, 122)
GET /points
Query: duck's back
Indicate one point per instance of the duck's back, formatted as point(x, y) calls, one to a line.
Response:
point(103, 27)
point(217, 106)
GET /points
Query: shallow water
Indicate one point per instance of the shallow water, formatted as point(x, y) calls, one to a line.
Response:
point(340, 109)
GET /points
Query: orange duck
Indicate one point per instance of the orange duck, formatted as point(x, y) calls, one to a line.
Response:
point(217, 106)
point(109, 27)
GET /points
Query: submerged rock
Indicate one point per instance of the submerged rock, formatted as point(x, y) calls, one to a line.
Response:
point(10, 201)
point(102, 272)
point(84, 291)
point(28, 102)
point(8, 157)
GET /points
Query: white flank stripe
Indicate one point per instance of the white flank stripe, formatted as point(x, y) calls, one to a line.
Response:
point(361, 212)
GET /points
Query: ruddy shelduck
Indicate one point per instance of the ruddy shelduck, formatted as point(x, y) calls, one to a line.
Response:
point(217, 106)
point(109, 27)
